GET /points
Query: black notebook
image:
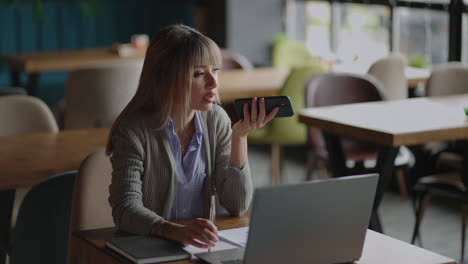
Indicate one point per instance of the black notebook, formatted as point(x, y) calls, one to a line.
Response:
point(147, 249)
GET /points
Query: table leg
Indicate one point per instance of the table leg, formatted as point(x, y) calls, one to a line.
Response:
point(32, 84)
point(336, 156)
point(15, 77)
point(384, 166)
point(6, 208)
point(464, 145)
point(421, 166)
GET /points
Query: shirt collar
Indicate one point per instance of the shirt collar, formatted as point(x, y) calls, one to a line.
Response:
point(198, 127)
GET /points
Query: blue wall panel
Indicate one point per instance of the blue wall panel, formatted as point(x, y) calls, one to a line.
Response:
point(8, 36)
point(7, 28)
point(67, 27)
point(121, 26)
point(104, 23)
point(27, 27)
point(47, 30)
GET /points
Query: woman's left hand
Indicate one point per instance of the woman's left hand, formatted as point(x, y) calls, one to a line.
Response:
point(253, 120)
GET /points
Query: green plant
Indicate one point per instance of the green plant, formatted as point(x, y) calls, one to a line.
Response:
point(418, 61)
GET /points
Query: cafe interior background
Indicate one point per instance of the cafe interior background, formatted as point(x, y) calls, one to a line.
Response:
point(337, 32)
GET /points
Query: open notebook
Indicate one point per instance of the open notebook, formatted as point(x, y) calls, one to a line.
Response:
point(146, 249)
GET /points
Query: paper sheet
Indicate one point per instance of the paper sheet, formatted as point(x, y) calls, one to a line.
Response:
point(235, 236)
point(220, 245)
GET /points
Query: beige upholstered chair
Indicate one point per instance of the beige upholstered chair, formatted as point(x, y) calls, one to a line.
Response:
point(94, 97)
point(90, 209)
point(448, 79)
point(21, 114)
point(390, 71)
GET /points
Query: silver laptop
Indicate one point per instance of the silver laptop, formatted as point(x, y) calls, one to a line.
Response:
point(321, 221)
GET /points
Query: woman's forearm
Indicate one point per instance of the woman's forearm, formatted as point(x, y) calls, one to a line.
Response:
point(238, 151)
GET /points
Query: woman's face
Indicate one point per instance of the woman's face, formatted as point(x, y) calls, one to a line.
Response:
point(204, 87)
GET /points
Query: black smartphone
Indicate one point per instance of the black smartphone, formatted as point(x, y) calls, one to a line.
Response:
point(283, 102)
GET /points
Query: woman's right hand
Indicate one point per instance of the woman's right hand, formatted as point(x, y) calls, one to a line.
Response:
point(200, 233)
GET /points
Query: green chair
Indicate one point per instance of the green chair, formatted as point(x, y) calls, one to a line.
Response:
point(286, 131)
point(288, 54)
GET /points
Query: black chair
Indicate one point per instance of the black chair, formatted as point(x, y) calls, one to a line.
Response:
point(41, 231)
point(449, 181)
point(359, 157)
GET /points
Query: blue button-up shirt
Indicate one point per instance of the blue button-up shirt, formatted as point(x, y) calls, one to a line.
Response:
point(191, 173)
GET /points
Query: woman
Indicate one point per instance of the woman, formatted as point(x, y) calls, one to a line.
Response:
point(172, 146)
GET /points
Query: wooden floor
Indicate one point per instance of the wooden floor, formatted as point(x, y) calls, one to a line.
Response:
point(440, 230)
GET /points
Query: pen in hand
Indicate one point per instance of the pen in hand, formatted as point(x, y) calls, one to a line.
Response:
point(212, 212)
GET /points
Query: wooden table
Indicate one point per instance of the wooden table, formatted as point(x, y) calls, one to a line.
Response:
point(25, 160)
point(35, 63)
point(389, 124)
point(234, 83)
point(266, 81)
point(259, 82)
point(89, 247)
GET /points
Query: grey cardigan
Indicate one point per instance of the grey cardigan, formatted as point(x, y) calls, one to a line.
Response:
point(144, 180)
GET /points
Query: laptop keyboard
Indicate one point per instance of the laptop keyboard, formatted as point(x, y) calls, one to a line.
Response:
point(234, 261)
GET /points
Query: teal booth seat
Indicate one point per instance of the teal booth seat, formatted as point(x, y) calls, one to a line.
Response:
point(287, 131)
point(74, 24)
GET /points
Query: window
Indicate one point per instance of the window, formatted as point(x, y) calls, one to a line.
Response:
point(359, 30)
point(423, 35)
point(465, 37)
point(363, 33)
point(318, 28)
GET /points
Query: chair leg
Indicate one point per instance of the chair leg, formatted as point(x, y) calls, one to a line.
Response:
point(400, 177)
point(423, 203)
point(322, 168)
point(464, 216)
point(275, 163)
point(310, 164)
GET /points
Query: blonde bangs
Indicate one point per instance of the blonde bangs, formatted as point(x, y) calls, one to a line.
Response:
point(207, 53)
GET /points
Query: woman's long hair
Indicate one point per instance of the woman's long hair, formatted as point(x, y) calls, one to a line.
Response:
point(167, 72)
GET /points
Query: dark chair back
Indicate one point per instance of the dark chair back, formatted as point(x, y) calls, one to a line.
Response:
point(12, 91)
point(41, 232)
point(341, 88)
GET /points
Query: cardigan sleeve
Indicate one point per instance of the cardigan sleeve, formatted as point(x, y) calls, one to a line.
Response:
point(126, 196)
point(234, 187)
